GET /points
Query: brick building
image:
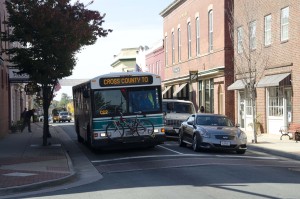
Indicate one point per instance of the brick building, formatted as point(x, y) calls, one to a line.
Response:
point(155, 59)
point(199, 54)
point(268, 32)
point(4, 83)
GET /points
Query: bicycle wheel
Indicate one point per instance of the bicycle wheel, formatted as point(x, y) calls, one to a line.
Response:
point(145, 127)
point(114, 131)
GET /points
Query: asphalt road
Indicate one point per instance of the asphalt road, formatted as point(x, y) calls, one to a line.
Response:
point(169, 171)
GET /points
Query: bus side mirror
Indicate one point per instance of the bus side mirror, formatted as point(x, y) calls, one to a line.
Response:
point(86, 93)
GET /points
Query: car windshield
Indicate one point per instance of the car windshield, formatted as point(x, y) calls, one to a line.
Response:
point(214, 121)
point(63, 113)
point(178, 107)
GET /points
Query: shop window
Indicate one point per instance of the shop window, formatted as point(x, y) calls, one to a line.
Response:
point(275, 101)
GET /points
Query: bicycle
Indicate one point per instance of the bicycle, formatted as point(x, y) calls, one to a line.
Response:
point(121, 127)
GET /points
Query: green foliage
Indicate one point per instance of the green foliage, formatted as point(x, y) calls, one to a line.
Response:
point(46, 35)
point(50, 32)
point(65, 100)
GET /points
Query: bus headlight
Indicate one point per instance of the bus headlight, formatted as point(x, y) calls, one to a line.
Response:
point(103, 134)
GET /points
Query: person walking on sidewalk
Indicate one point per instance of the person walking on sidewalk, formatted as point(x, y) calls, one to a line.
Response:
point(27, 120)
point(23, 114)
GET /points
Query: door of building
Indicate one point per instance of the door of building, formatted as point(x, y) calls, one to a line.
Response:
point(241, 118)
point(288, 106)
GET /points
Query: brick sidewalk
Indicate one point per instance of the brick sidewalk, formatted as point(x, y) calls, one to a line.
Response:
point(26, 162)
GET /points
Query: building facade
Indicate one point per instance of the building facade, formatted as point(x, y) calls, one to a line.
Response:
point(155, 58)
point(125, 61)
point(268, 32)
point(199, 54)
point(4, 76)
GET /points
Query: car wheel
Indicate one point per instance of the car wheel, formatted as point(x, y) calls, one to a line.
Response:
point(195, 143)
point(180, 140)
point(241, 151)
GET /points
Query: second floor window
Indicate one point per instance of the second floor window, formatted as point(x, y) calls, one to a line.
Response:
point(197, 36)
point(166, 50)
point(189, 40)
point(284, 24)
point(210, 31)
point(268, 33)
point(173, 49)
point(252, 29)
point(240, 40)
point(179, 45)
point(157, 68)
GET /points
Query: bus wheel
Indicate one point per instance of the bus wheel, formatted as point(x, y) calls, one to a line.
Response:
point(79, 138)
point(89, 138)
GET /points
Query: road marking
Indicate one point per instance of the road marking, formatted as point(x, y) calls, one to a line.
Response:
point(140, 157)
point(181, 155)
point(170, 149)
point(250, 157)
point(19, 174)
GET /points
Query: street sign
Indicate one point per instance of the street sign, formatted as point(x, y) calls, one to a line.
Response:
point(16, 77)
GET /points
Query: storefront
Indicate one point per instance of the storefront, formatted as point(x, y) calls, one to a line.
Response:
point(274, 103)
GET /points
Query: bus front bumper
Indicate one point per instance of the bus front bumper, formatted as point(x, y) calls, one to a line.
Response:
point(129, 142)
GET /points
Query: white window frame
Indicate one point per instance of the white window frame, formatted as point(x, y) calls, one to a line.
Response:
point(197, 36)
point(240, 39)
point(173, 48)
point(189, 35)
point(268, 30)
point(179, 45)
point(210, 31)
point(275, 101)
point(252, 30)
point(284, 24)
point(166, 50)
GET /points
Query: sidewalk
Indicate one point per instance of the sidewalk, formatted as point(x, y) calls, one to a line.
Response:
point(271, 144)
point(26, 166)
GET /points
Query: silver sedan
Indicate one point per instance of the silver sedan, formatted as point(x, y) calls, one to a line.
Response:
point(212, 131)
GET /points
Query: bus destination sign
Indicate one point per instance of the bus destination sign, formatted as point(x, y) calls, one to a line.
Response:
point(126, 80)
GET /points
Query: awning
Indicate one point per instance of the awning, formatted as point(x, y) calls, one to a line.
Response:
point(179, 89)
point(166, 89)
point(237, 85)
point(275, 80)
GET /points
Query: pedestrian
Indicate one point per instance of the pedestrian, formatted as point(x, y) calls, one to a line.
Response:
point(23, 114)
point(202, 109)
point(27, 120)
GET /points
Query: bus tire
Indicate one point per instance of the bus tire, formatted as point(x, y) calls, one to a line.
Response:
point(89, 138)
point(79, 138)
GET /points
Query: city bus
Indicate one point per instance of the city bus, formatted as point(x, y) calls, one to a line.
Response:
point(110, 111)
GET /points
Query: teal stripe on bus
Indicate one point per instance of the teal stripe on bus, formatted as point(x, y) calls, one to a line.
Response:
point(99, 124)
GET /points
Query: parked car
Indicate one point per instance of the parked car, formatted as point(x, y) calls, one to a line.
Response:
point(41, 118)
point(175, 112)
point(212, 131)
point(64, 116)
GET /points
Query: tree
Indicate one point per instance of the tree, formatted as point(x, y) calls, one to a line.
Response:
point(65, 99)
point(250, 59)
point(49, 33)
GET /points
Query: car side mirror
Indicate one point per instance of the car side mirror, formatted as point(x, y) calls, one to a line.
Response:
point(237, 125)
point(190, 123)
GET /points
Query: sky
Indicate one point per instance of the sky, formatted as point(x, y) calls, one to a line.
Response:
point(134, 23)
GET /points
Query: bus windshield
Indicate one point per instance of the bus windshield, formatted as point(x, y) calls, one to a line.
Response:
point(128, 101)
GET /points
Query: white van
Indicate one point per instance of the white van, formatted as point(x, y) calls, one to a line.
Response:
point(175, 112)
